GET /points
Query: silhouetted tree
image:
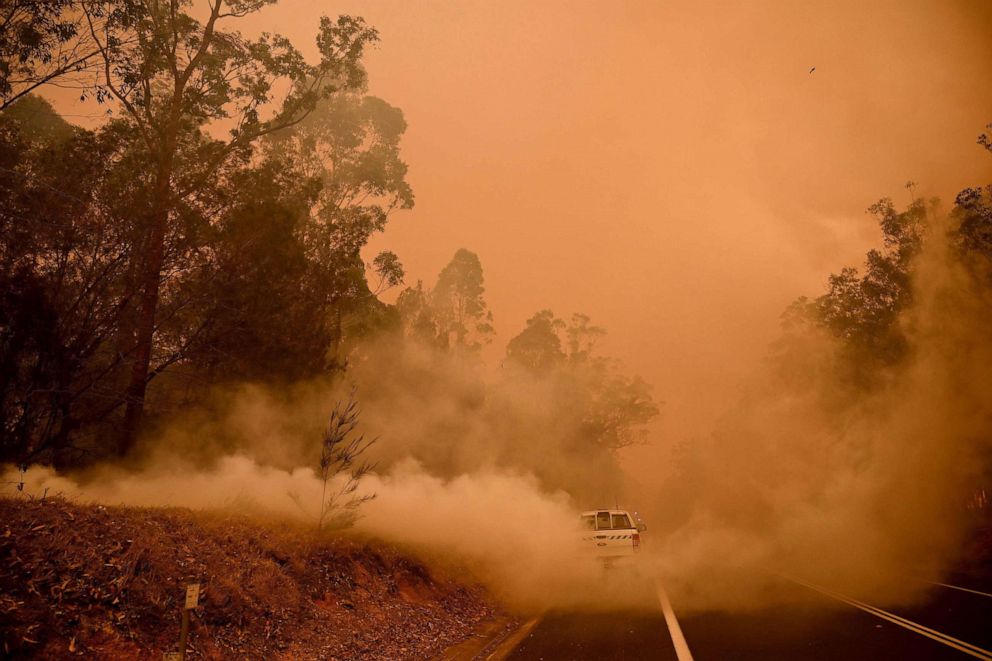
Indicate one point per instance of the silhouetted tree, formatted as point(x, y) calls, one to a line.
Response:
point(463, 317)
point(149, 250)
point(350, 146)
point(861, 309)
point(973, 216)
point(414, 307)
point(454, 315)
point(537, 348)
point(41, 41)
point(603, 409)
point(65, 245)
point(172, 75)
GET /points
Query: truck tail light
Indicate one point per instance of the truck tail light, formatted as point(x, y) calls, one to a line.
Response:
point(637, 541)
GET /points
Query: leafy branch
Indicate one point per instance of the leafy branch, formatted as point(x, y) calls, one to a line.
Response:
point(340, 460)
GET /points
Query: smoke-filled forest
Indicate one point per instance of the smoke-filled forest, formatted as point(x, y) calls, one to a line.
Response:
point(223, 310)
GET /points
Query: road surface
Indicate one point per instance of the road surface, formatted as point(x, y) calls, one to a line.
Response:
point(954, 623)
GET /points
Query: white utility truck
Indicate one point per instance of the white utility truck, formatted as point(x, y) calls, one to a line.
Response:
point(611, 534)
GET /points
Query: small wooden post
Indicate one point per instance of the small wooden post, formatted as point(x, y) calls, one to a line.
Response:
point(183, 633)
point(192, 600)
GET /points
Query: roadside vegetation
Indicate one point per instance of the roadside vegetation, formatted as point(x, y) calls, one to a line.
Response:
point(212, 233)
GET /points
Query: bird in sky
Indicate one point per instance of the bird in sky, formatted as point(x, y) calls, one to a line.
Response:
point(812, 70)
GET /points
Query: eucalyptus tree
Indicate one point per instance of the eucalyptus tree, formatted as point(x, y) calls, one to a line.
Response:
point(601, 408)
point(464, 321)
point(350, 146)
point(42, 41)
point(179, 79)
point(66, 204)
point(538, 347)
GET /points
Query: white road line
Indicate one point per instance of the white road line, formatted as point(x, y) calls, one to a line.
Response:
point(915, 627)
point(958, 587)
point(681, 647)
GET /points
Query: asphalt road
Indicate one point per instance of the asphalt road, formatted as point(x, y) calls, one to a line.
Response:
point(823, 628)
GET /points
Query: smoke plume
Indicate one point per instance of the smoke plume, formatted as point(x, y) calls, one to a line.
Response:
point(866, 492)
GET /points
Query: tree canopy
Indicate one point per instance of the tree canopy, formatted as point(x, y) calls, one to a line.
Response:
point(454, 313)
point(153, 251)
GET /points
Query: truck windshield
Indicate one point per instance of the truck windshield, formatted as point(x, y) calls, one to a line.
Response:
point(588, 521)
point(621, 522)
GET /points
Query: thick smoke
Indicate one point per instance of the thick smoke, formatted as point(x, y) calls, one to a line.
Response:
point(499, 526)
point(447, 410)
point(801, 477)
point(864, 492)
point(471, 468)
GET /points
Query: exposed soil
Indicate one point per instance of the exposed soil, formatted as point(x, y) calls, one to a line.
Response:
point(109, 582)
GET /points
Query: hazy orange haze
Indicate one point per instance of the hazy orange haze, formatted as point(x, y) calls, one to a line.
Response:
point(671, 169)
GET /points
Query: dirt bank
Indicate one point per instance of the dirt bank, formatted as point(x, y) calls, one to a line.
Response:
point(108, 582)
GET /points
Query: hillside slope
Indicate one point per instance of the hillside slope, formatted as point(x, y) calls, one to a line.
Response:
point(108, 582)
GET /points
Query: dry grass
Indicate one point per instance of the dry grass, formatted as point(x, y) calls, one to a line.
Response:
point(107, 582)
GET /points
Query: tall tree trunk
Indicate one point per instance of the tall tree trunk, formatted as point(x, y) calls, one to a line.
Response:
point(337, 336)
point(152, 257)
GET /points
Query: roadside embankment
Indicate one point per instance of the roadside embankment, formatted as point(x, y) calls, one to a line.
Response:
point(108, 582)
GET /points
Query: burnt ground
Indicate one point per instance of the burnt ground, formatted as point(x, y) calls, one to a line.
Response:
point(108, 582)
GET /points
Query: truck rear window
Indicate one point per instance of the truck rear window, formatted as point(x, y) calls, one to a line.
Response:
point(603, 520)
point(621, 522)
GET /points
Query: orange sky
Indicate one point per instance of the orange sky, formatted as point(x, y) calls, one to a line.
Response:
point(671, 169)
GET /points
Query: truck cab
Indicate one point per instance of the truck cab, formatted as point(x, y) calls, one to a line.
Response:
point(611, 533)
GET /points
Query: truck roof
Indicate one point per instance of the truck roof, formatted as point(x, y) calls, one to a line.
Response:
point(593, 512)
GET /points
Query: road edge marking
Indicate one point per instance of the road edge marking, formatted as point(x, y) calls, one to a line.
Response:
point(510, 641)
point(674, 630)
point(958, 587)
point(915, 627)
